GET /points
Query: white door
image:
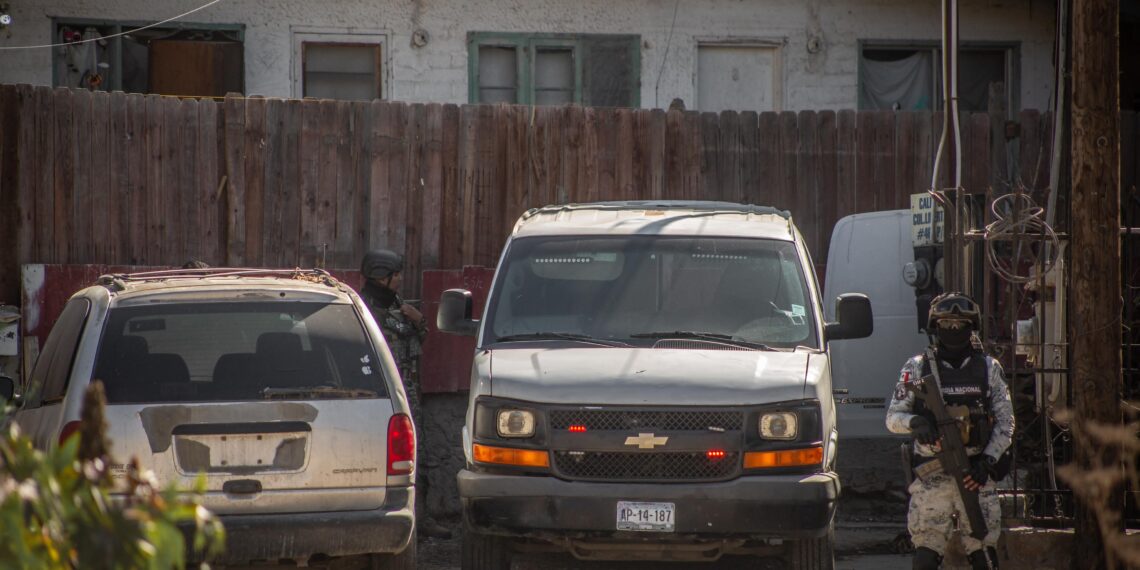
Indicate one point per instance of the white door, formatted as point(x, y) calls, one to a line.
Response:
point(738, 78)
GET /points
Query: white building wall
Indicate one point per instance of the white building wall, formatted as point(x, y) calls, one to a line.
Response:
point(437, 72)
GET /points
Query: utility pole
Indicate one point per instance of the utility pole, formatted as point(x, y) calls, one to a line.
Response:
point(1095, 306)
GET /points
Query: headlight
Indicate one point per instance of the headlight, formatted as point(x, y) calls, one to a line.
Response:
point(515, 423)
point(779, 425)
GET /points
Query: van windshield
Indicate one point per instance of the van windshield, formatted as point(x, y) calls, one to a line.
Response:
point(224, 351)
point(639, 290)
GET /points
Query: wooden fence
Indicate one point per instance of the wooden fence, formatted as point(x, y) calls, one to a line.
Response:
point(132, 179)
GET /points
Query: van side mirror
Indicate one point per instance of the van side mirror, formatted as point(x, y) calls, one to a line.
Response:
point(454, 314)
point(853, 312)
point(8, 390)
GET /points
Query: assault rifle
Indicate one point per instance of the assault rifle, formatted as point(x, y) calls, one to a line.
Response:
point(952, 455)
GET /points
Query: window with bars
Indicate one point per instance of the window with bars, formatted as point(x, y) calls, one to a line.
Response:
point(600, 70)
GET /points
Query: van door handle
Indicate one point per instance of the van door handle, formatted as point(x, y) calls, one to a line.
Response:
point(242, 487)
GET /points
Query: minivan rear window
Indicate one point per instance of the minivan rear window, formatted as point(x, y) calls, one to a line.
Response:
point(226, 351)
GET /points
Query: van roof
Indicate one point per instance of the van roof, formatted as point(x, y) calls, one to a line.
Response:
point(660, 217)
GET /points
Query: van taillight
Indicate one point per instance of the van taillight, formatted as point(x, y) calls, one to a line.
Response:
point(68, 429)
point(401, 445)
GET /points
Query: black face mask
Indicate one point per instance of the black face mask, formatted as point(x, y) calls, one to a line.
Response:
point(955, 340)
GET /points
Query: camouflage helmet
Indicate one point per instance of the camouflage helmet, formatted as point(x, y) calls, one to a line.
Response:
point(381, 263)
point(954, 305)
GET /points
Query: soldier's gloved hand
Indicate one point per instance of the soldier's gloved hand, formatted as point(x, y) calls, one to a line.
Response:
point(981, 466)
point(923, 431)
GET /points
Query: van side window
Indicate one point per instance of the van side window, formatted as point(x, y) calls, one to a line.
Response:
point(53, 368)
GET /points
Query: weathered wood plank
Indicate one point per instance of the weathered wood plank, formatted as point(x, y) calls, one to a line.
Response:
point(711, 156)
point(729, 163)
point(486, 185)
point(807, 183)
point(846, 155)
point(398, 180)
point(978, 166)
point(828, 184)
point(308, 192)
point(65, 164)
point(324, 198)
point(627, 155)
point(344, 206)
point(188, 201)
point(381, 132)
point(97, 139)
point(906, 126)
point(605, 143)
point(923, 157)
point(362, 170)
point(256, 133)
point(768, 163)
point(588, 158)
point(789, 147)
point(136, 171)
point(210, 172)
point(20, 166)
point(45, 137)
point(416, 123)
point(865, 182)
point(290, 199)
point(1030, 149)
point(674, 155)
point(469, 180)
point(749, 165)
point(171, 249)
point(884, 160)
point(234, 189)
point(433, 175)
point(451, 224)
point(272, 209)
point(654, 175)
point(83, 201)
point(118, 190)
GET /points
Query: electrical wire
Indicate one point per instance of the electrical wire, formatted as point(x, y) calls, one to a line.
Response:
point(1025, 218)
point(101, 38)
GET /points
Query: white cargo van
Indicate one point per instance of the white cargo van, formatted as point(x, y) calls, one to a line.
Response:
point(652, 381)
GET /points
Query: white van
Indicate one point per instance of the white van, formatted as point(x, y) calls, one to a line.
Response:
point(652, 381)
point(868, 252)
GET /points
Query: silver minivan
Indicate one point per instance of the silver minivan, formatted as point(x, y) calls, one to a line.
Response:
point(652, 381)
point(276, 385)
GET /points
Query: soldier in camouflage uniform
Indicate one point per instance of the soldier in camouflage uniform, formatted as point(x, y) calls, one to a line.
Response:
point(973, 386)
point(404, 329)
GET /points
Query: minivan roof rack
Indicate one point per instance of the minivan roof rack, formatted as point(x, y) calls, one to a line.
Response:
point(119, 280)
point(697, 205)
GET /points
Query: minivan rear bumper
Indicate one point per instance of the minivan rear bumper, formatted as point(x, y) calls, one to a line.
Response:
point(299, 536)
point(750, 507)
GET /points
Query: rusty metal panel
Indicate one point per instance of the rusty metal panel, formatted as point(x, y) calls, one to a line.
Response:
point(446, 362)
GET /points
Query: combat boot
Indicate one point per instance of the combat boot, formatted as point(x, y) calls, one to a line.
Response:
point(984, 559)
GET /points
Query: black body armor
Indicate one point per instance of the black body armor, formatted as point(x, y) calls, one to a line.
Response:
point(967, 387)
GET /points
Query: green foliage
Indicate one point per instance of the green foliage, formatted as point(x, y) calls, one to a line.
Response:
point(63, 508)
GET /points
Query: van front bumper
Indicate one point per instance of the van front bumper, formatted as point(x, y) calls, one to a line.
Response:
point(300, 536)
point(750, 507)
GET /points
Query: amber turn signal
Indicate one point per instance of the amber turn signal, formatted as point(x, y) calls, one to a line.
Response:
point(510, 456)
point(784, 458)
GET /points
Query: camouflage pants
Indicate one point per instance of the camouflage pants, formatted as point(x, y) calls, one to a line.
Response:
point(932, 506)
point(411, 380)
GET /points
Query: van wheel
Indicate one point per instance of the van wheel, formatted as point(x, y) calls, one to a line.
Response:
point(813, 553)
point(405, 560)
point(485, 552)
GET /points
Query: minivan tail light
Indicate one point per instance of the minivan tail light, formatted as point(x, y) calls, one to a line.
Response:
point(68, 430)
point(401, 445)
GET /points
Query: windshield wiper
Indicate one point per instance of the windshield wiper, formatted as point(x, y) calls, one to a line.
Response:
point(272, 393)
point(710, 336)
point(560, 336)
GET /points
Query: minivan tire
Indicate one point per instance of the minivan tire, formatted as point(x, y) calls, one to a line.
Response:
point(813, 553)
point(405, 560)
point(485, 552)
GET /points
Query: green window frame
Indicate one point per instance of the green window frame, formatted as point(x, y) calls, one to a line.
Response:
point(582, 47)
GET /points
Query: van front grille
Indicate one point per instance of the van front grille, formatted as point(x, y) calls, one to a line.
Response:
point(662, 420)
point(654, 466)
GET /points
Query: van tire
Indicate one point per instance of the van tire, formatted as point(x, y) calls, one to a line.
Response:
point(813, 553)
point(405, 560)
point(485, 552)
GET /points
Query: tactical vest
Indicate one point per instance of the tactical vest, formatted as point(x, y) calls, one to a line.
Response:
point(968, 387)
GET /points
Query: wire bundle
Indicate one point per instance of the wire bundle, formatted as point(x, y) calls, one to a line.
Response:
point(1024, 218)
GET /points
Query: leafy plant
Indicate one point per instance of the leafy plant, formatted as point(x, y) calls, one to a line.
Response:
point(63, 508)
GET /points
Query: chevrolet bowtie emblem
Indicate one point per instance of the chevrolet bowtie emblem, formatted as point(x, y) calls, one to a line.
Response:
point(646, 441)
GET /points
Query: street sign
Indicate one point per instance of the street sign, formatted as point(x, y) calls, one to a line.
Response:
point(926, 220)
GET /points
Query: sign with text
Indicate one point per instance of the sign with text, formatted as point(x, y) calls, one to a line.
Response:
point(927, 220)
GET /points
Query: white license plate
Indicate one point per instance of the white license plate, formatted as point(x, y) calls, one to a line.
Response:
point(654, 517)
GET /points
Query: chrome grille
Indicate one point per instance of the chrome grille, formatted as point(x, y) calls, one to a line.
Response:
point(661, 420)
point(655, 466)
